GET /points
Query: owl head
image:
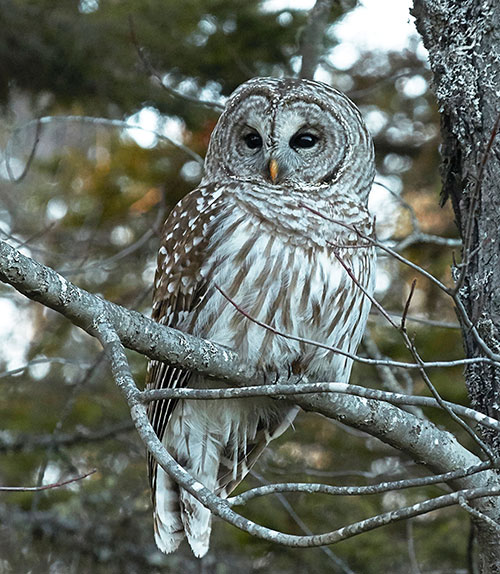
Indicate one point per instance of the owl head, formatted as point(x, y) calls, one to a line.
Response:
point(293, 133)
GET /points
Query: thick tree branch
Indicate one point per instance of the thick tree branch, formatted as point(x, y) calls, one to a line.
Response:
point(137, 332)
point(220, 507)
point(115, 326)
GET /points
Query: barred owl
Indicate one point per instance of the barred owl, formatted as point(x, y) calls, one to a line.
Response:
point(287, 176)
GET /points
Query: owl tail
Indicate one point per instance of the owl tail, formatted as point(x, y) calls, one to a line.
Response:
point(220, 460)
point(177, 513)
point(168, 528)
point(185, 517)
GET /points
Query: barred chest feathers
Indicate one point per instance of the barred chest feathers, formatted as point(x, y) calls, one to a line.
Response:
point(288, 280)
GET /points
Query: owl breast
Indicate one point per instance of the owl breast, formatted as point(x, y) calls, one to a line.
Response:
point(277, 294)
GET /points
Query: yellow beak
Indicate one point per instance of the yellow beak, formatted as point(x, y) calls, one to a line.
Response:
point(273, 170)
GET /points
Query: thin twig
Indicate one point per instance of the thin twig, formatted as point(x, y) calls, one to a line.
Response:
point(286, 390)
point(81, 436)
point(495, 357)
point(42, 361)
point(156, 75)
point(380, 245)
point(424, 321)
point(407, 305)
point(415, 569)
point(31, 157)
point(303, 526)
point(478, 515)
point(410, 345)
point(354, 357)
point(420, 237)
point(46, 486)
point(388, 375)
point(379, 488)
point(126, 251)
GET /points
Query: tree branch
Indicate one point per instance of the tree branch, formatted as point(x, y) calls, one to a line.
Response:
point(293, 390)
point(310, 488)
point(137, 332)
point(115, 326)
point(45, 486)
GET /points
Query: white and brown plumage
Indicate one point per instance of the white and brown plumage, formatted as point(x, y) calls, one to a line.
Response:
point(279, 146)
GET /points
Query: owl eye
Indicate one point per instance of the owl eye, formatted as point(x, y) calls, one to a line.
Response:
point(253, 140)
point(303, 141)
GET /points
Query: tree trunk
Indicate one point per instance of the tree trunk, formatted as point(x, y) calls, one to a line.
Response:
point(463, 39)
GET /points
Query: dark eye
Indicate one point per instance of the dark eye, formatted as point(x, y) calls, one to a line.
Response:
point(253, 140)
point(303, 141)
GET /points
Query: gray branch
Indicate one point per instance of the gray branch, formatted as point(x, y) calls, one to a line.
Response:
point(115, 326)
point(293, 390)
point(381, 487)
point(123, 377)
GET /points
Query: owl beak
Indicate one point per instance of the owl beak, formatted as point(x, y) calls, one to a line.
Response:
point(273, 170)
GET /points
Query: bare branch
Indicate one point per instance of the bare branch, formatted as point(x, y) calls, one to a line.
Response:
point(379, 488)
point(358, 358)
point(40, 283)
point(220, 507)
point(43, 361)
point(415, 569)
point(407, 305)
point(451, 292)
point(423, 321)
point(387, 374)
point(286, 391)
point(419, 237)
point(113, 324)
point(410, 345)
point(146, 62)
point(45, 486)
point(477, 514)
point(344, 568)
point(31, 157)
point(129, 249)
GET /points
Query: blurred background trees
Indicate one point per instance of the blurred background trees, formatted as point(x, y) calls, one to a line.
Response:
point(91, 205)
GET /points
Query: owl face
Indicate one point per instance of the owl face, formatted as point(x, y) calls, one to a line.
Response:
point(288, 132)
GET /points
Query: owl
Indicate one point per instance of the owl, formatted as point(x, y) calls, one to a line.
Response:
point(267, 235)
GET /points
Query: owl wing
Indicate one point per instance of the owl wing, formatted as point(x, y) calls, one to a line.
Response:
point(179, 288)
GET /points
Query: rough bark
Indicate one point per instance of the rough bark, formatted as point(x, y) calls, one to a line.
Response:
point(463, 39)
